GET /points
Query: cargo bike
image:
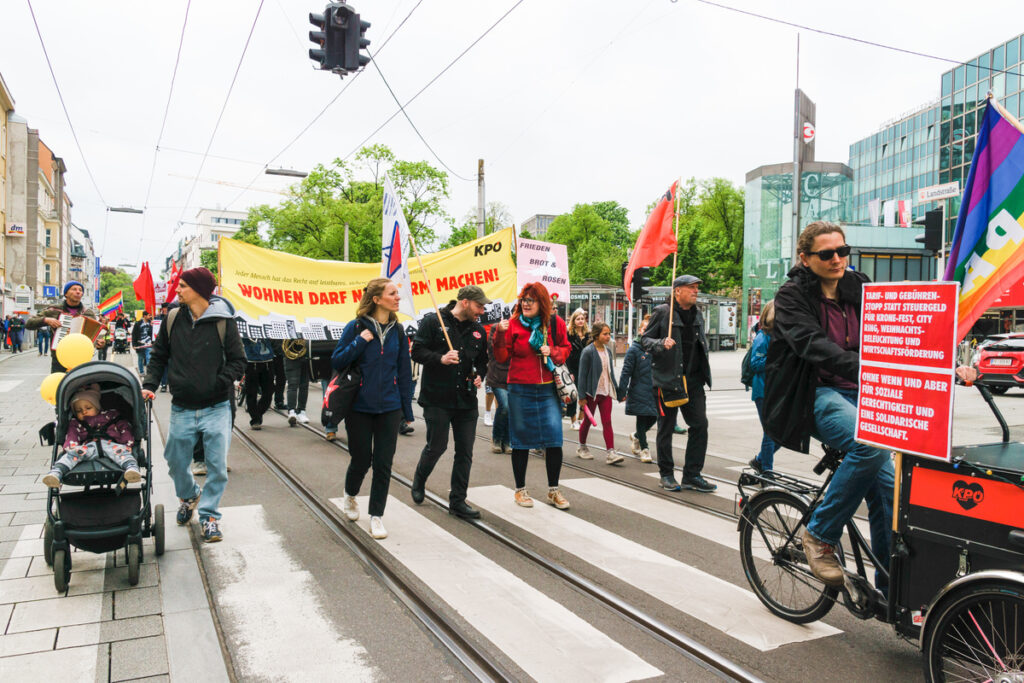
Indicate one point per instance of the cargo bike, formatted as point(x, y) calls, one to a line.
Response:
point(955, 569)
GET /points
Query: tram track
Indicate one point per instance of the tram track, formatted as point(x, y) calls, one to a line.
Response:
point(447, 632)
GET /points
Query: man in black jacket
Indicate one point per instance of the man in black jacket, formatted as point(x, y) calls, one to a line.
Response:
point(200, 346)
point(448, 387)
point(811, 377)
point(142, 340)
point(678, 353)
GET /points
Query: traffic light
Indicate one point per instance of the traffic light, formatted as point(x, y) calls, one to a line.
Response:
point(319, 54)
point(355, 42)
point(641, 281)
point(931, 238)
point(340, 38)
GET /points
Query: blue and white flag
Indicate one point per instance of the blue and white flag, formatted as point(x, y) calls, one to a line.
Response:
point(395, 248)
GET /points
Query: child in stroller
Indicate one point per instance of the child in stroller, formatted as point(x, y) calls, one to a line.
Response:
point(94, 432)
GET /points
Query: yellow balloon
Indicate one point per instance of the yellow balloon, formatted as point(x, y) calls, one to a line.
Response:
point(48, 389)
point(74, 349)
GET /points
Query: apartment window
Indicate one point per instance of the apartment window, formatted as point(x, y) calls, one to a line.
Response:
point(46, 273)
point(47, 241)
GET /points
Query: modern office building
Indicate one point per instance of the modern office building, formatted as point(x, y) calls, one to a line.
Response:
point(211, 225)
point(537, 225)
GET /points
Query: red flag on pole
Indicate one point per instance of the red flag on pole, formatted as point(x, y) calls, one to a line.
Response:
point(144, 290)
point(172, 282)
point(656, 241)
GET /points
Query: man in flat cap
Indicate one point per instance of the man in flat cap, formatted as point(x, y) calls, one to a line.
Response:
point(448, 387)
point(680, 351)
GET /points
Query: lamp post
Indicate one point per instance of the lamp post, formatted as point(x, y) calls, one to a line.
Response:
point(286, 172)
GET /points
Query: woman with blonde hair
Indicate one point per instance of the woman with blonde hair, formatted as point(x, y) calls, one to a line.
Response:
point(765, 459)
point(534, 341)
point(376, 344)
point(579, 337)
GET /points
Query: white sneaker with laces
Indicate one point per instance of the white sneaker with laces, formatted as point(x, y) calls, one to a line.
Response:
point(350, 507)
point(489, 418)
point(613, 458)
point(574, 425)
point(634, 444)
point(377, 529)
point(583, 453)
point(292, 419)
point(301, 417)
point(645, 455)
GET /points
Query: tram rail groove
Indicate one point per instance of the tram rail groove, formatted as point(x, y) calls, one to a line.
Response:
point(657, 629)
point(476, 660)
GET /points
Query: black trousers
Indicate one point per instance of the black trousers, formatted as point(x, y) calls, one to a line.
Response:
point(643, 423)
point(259, 381)
point(297, 372)
point(371, 441)
point(696, 418)
point(279, 380)
point(463, 426)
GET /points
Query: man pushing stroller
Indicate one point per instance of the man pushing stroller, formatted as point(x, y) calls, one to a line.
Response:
point(93, 432)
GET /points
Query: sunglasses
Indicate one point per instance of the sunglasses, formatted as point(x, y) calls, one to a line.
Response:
point(827, 254)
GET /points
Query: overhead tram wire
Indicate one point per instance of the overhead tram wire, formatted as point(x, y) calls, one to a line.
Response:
point(434, 79)
point(220, 117)
point(67, 116)
point(407, 118)
point(322, 111)
point(160, 135)
point(843, 36)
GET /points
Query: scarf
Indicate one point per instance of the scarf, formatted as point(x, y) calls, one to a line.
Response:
point(537, 336)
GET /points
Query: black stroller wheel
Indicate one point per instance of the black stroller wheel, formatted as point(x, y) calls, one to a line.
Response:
point(61, 570)
point(134, 560)
point(48, 542)
point(158, 529)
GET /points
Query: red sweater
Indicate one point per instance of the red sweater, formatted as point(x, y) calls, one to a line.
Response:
point(526, 365)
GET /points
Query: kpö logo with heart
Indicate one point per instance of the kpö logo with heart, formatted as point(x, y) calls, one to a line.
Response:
point(968, 495)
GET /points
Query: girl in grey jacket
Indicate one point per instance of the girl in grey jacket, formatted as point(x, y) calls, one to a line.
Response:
point(597, 387)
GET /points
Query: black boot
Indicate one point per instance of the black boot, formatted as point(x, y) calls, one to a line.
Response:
point(417, 489)
point(462, 509)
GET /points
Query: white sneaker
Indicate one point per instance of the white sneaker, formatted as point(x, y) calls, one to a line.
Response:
point(301, 417)
point(350, 507)
point(613, 458)
point(292, 419)
point(583, 453)
point(199, 468)
point(489, 418)
point(645, 455)
point(377, 529)
point(634, 444)
point(574, 425)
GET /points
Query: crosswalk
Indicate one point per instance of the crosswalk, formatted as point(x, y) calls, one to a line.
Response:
point(730, 405)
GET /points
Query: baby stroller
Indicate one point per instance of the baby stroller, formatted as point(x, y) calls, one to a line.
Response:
point(104, 514)
point(120, 340)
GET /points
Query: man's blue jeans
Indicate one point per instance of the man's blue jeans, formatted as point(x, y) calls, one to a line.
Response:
point(499, 433)
point(143, 357)
point(866, 473)
point(213, 426)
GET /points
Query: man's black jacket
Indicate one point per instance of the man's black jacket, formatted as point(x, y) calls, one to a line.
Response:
point(799, 347)
point(669, 366)
point(449, 386)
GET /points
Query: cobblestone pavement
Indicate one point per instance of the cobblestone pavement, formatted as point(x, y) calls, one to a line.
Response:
point(102, 629)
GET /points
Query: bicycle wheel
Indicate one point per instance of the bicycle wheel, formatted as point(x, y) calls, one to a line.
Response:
point(777, 571)
point(978, 636)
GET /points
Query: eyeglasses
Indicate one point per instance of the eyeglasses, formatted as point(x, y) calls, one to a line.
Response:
point(827, 254)
point(528, 301)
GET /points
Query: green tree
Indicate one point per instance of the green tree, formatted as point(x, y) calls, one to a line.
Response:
point(113, 280)
point(210, 259)
point(311, 220)
point(596, 237)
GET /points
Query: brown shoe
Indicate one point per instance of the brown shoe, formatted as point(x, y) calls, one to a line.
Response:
point(556, 498)
point(523, 498)
point(822, 559)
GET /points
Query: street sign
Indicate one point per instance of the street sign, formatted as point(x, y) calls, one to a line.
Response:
point(935, 192)
point(50, 291)
point(907, 352)
point(809, 132)
point(15, 229)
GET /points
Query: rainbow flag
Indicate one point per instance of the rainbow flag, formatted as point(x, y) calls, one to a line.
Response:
point(987, 254)
point(112, 305)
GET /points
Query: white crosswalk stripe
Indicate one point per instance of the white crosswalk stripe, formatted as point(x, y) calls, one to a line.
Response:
point(737, 407)
point(547, 640)
point(8, 384)
point(272, 609)
point(724, 606)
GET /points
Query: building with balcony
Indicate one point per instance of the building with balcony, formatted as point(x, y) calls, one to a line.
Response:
point(82, 264)
point(6, 290)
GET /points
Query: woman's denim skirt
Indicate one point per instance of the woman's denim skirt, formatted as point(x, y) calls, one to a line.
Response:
point(535, 416)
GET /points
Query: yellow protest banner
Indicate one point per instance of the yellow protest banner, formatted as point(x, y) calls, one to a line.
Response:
point(283, 296)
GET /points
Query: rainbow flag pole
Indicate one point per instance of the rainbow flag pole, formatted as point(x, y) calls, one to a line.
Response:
point(113, 304)
point(987, 253)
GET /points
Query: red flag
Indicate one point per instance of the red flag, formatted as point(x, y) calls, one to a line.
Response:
point(172, 282)
point(656, 241)
point(144, 290)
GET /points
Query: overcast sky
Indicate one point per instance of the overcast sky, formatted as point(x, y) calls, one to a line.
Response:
point(566, 101)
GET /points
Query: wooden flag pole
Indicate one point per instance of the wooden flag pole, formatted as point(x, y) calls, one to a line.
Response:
point(430, 291)
point(675, 256)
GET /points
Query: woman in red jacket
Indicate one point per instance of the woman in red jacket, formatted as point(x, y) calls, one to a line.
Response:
point(534, 341)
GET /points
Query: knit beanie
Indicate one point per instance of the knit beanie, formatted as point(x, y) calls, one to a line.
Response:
point(89, 396)
point(201, 280)
point(71, 284)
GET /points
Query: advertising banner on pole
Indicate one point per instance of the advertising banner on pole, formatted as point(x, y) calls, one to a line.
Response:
point(283, 296)
point(544, 262)
point(907, 358)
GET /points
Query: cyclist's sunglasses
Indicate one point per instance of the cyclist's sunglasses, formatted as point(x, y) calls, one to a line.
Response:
point(827, 254)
